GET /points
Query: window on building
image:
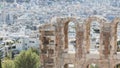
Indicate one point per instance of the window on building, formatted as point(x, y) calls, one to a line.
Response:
point(32, 41)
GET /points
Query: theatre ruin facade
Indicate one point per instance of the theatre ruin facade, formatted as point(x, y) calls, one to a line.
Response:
point(65, 45)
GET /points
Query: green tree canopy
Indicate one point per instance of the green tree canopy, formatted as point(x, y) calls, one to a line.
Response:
point(8, 64)
point(27, 59)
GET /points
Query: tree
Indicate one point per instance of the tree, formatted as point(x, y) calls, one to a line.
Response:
point(0, 64)
point(27, 59)
point(1, 54)
point(8, 64)
point(35, 50)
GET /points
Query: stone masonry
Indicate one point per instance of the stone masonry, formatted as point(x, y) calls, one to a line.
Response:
point(54, 43)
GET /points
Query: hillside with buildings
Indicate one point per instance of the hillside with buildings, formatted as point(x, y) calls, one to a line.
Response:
point(20, 20)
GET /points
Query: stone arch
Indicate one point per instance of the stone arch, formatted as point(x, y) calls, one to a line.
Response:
point(87, 26)
point(114, 33)
point(94, 37)
point(66, 30)
point(71, 37)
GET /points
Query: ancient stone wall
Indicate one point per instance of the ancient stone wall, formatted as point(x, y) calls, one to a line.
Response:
point(60, 58)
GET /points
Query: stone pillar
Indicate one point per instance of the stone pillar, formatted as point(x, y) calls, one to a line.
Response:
point(65, 26)
point(79, 42)
point(114, 37)
point(87, 37)
point(106, 40)
point(101, 42)
point(112, 41)
point(59, 43)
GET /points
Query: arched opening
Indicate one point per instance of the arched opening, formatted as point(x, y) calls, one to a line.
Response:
point(69, 66)
point(71, 37)
point(117, 66)
point(94, 37)
point(118, 37)
point(92, 65)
